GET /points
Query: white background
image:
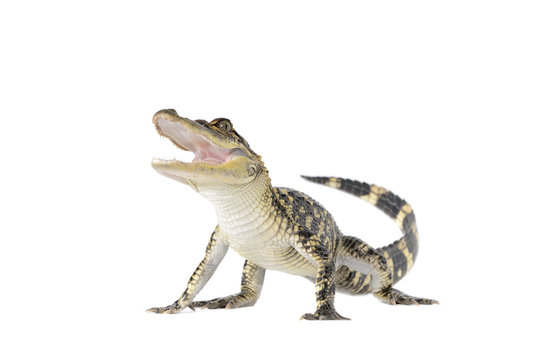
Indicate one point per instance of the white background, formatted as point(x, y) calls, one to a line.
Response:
point(436, 101)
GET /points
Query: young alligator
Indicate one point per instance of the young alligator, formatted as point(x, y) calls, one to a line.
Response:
point(280, 228)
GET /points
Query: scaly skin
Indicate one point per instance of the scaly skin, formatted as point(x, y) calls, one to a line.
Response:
point(280, 228)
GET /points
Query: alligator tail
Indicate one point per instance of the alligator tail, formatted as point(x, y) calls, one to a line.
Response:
point(402, 253)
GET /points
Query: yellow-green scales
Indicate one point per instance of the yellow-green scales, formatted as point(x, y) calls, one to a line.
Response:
point(279, 228)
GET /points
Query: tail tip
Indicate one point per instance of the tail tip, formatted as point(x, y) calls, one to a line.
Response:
point(315, 179)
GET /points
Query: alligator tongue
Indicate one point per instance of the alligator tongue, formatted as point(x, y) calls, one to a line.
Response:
point(204, 150)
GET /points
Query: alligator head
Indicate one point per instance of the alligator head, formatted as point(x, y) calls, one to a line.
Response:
point(222, 156)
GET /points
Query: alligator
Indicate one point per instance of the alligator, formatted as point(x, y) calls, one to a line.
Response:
point(279, 228)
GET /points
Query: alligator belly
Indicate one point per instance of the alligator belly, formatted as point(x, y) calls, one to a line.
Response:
point(282, 259)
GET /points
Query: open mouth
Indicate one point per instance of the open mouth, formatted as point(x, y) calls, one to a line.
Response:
point(204, 150)
point(218, 158)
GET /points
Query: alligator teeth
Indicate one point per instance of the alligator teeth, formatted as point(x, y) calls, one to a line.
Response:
point(167, 150)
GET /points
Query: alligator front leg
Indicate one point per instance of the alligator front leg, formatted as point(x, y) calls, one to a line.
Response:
point(251, 285)
point(215, 251)
point(310, 246)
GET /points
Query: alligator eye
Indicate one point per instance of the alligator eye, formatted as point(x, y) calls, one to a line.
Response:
point(225, 125)
point(251, 171)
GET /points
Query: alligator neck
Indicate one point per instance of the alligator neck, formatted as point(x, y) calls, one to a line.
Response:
point(240, 209)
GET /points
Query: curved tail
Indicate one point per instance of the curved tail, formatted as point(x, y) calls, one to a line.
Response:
point(402, 253)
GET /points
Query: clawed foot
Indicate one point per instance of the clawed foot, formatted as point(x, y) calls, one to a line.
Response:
point(324, 314)
point(171, 309)
point(393, 297)
point(226, 302)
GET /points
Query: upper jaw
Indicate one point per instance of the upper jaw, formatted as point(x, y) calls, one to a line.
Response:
point(213, 160)
point(192, 136)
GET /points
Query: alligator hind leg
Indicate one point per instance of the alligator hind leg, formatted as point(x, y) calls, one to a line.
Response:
point(352, 281)
point(363, 268)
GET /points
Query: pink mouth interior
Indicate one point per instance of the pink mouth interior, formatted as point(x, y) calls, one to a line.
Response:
point(203, 149)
